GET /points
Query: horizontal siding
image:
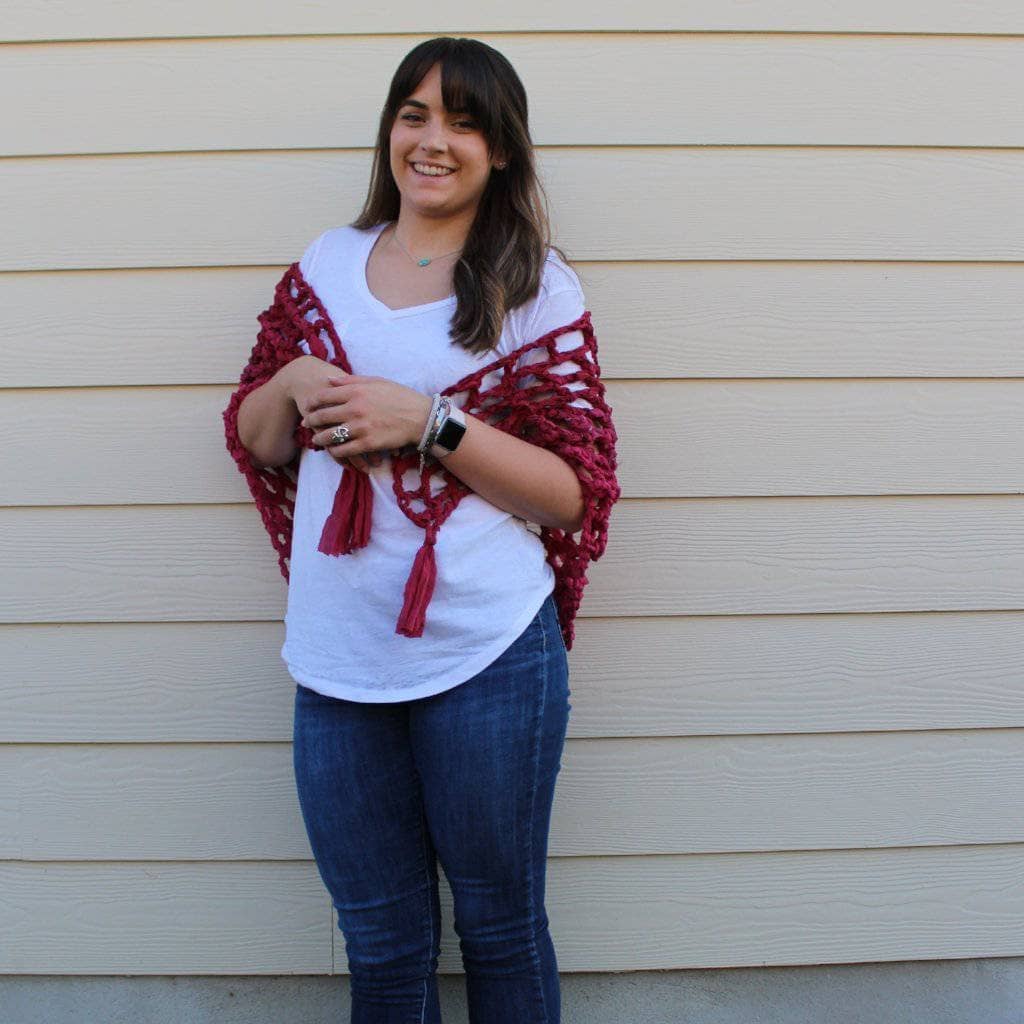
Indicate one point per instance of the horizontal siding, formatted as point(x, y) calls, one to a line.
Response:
point(783, 90)
point(615, 797)
point(676, 439)
point(702, 676)
point(153, 918)
point(698, 910)
point(818, 581)
point(706, 556)
point(757, 203)
point(653, 320)
point(65, 19)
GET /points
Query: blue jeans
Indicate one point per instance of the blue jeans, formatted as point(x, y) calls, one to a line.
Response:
point(467, 777)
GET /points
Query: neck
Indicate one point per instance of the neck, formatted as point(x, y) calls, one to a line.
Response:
point(431, 236)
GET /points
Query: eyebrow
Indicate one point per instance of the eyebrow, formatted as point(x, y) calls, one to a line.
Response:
point(423, 106)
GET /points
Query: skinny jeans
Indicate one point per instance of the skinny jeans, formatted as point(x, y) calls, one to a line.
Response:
point(466, 778)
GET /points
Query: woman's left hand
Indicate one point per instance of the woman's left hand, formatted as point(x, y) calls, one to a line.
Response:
point(381, 415)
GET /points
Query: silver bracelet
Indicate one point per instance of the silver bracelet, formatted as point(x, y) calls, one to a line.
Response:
point(434, 405)
point(439, 411)
point(444, 409)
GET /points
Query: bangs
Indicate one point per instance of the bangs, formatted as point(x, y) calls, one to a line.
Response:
point(467, 85)
point(462, 91)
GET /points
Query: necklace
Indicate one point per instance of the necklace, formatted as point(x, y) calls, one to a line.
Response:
point(423, 261)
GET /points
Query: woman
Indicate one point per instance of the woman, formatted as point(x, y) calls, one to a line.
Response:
point(439, 738)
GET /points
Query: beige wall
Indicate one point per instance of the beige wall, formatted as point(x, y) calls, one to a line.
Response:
point(798, 705)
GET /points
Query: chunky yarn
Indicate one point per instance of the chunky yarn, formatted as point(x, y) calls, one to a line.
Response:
point(529, 399)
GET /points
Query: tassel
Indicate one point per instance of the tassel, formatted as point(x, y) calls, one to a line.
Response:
point(419, 588)
point(348, 525)
point(364, 508)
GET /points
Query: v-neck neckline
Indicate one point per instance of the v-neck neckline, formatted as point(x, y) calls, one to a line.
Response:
point(382, 308)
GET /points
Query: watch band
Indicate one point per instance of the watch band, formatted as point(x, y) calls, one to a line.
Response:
point(450, 433)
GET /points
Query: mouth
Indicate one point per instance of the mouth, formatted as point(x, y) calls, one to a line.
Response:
point(431, 170)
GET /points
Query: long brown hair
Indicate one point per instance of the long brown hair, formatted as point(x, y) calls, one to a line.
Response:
point(503, 256)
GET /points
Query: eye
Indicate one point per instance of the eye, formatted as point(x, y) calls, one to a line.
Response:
point(468, 124)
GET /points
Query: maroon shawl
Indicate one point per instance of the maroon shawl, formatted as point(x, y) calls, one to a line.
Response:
point(539, 411)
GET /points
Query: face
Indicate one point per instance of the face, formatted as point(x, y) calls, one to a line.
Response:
point(425, 133)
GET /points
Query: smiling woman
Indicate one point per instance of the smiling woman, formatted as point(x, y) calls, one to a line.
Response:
point(441, 155)
point(424, 386)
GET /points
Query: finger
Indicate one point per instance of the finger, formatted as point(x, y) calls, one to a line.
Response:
point(322, 437)
point(328, 412)
point(331, 395)
point(344, 449)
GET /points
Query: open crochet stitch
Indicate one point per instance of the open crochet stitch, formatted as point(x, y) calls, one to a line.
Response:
point(528, 399)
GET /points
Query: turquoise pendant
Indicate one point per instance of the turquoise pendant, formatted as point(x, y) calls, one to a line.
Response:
point(423, 262)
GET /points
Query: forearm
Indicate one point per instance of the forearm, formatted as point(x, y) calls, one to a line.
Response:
point(267, 419)
point(522, 478)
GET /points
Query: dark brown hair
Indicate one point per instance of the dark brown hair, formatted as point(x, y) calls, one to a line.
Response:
point(503, 257)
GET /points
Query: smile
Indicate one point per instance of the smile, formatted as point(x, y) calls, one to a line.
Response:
point(432, 171)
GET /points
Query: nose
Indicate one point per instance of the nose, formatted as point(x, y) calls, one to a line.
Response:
point(432, 139)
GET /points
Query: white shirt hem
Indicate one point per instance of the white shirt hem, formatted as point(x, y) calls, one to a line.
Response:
point(465, 671)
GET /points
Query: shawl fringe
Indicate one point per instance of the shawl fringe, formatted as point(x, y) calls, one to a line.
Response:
point(348, 525)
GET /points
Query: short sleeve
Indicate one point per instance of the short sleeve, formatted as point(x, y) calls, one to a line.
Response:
point(308, 260)
point(554, 310)
point(559, 302)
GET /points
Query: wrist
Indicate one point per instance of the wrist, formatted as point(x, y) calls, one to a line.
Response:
point(450, 432)
point(443, 429)
point(285, 378)
point(426, 404)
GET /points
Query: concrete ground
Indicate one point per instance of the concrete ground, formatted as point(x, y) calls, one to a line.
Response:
point(982, 991)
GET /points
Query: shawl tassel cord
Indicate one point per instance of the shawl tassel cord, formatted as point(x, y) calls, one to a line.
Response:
point(531, 400)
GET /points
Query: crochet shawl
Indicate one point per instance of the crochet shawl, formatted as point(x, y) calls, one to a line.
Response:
point(539, 411)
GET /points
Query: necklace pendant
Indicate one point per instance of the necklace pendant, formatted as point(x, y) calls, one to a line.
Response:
point(423, 262)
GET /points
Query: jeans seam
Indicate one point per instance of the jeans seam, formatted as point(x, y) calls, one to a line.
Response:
point(538, 737)
point(427, 895)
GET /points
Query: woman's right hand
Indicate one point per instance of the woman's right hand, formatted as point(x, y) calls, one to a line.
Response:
point(304, 377)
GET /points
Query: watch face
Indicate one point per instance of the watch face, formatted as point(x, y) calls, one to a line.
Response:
point(450, 434)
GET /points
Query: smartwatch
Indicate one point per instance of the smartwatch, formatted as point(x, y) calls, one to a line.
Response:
point(450, 434)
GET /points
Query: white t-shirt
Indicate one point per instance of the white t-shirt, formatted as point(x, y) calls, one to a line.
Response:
point(492, 576)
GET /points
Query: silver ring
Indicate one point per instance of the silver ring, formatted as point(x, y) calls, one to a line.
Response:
point(340, 434)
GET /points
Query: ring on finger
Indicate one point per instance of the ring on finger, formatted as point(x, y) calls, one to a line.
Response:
point(340, 434)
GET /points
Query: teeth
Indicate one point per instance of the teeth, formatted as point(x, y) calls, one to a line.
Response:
point(435, 172)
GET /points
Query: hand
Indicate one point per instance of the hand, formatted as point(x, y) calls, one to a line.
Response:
point(305, 377)
point(380, 414)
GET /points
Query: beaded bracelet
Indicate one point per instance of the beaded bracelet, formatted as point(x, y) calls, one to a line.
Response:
point(440, 408)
